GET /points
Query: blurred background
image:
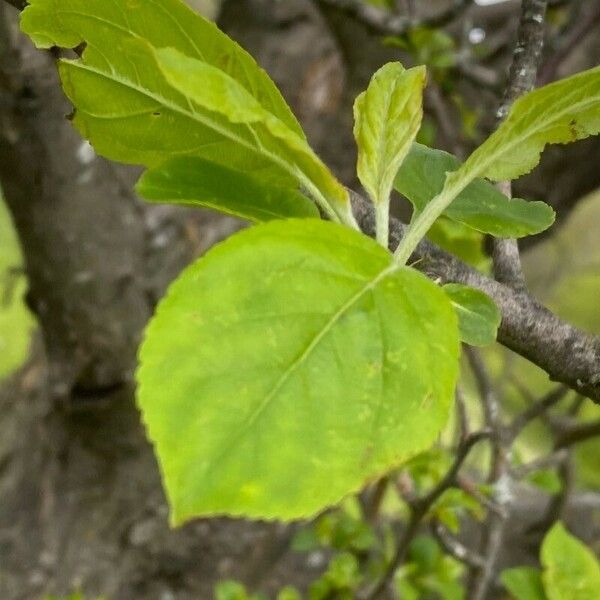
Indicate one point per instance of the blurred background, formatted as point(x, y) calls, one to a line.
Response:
point(81, 506)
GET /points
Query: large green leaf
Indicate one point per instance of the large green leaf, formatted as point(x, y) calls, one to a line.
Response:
point(480, 205)
point(387, 118)
point(571, 571)
point(106, 25)
point(478, 315)
point(134, 111)
point(289, 366)
point(524, 583)
point(194, 181)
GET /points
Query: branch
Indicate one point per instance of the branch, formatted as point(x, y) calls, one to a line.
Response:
point(536, 409)
point(521, 79)
point(385, 22)
point(455, 548)
point(567, 354)
point(420, 506)
point(578, 434)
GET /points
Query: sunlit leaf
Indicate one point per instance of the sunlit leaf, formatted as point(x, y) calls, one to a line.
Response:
point(480, 205)
point(524, 583)
point(387, 118)
point(291, 365)
point(571, 571)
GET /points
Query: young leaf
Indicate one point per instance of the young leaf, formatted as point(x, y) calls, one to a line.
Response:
point(130, 113)
point(559, 113)
point(571, 571)
point(562, 112)
point(480, 205)
point(524, 583)
point(194, 181)
point(387, 118)
point(478, 315)
point(288, 367)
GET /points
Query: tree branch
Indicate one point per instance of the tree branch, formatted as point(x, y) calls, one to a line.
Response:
point(521, 79)
point(567, 354)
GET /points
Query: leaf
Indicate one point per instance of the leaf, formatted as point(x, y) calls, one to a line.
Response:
point(131, 113)
point(524, 583)
point(191, 180)
point(288, 367)
point(462, 241)
point(211, 89)
point(571, 571)
point(106, 26)
point(387, 118)
point(480, 205)
point(559, 113)
point(478, 315)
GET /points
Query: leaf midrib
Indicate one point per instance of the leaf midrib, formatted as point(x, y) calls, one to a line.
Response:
point(314, 342)
point(504, 148)
point(189, 114)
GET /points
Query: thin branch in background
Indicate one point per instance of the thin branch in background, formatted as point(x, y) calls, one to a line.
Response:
point(454, 547)
point(470, 487)
point(499, 477)
point(521, 79)
point(577, 434)
point(420, 506)
point(385, 22)
point(536, 409)
point(462, 416)
point(545, 462)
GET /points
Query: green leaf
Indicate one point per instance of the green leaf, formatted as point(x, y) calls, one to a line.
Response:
point(478, 315)
point(230, 590)
point(195, 181)
point(106, 26)
point(562, 112)
point(203, 96)
point(209, 88)
point(291, 365)
point(524, 583)
point(387, 118)
point(571, 571)
point(559, 113)
point(480, 205)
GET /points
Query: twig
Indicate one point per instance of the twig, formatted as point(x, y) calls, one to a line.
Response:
point(578, 434)
point(420, 506)
point(385, 22)
point(521, 79)
point(499, 477)
point(536, 409)
point(454, 547)
point(551, 460)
